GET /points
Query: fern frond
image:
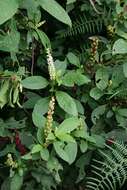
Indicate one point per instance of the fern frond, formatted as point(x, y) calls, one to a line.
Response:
point(84, 26)
point(111, 172)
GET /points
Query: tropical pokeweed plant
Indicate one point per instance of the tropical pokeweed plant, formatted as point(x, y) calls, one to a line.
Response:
point(63, 94)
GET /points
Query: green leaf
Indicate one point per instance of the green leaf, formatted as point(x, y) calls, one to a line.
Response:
point(69, 79)
point(34, 82)
point(83, 146)
point(44, 154)
point(68, 125)
point(36, 148)
point(7, 9)
point(40, 108)
point(71, 150)
point(122, 112)
point(72, 77)
point(56, 10)
point(66, 102)
point(70, 1)
point(44, 39)
point(80, 107)
point(120, 47)
point(16, 182)
point(100, 110)
point(102, 78)
point(81, 79)
point(38, 119)
point(125, 69)
point(65, 137)
point(96, 93)
point(10, 42)
point(73, 59)
point(58, 146)
point(60, 66)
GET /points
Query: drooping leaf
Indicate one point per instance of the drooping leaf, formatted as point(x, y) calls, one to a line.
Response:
point(125, 69)
point(56, 10)
point(44, 38)
point(66, 102)
point(83, 146)
point(44, 154)
point(102, 77)
point(34, 82)
point(58, 146)
point(100, 110)
point(73, 59)
point(71, 150)
point(96, 93)
point(7, 9)
point(68, 125)
point(120, 47)
point(36, 148)
point(16, 182)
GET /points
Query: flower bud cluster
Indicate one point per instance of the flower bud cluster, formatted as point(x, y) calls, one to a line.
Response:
point(94, 47)
point(10, 162)
point(48, 126)
point(51, 67)
point(110, 30)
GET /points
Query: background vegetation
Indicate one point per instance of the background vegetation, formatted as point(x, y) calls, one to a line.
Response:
point(63, 94)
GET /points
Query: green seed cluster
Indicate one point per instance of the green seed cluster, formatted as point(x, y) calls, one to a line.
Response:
point(48, 126)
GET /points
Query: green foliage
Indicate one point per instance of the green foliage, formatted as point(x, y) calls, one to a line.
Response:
point(63, 92)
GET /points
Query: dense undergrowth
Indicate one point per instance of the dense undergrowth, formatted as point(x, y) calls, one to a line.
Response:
point(63, 94)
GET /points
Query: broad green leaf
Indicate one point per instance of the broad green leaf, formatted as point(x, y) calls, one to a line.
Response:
point(122, 112)
point(44, 38)
point(100, 141)
point(60, 66)
point(41, 107)
point(65, 137)
point(30, 103)
point(16, 182)
point(102, 78)
point(120, 47)
point(56, 10)
point(125, 69)
point(96, 93)
point(117, 76)
point(68, 125)
point(7, 9)
point(32, 9)
point(81, 79)
point(44, 154)
point(40, 135)
point(80, 107)
point(27, 156)
point(34, 82)
point(69, 79)
point(38, 119)
point(58, 146)
point(71, 150)
point(100, 110)
point(83, 146)
point(10, 42)
point(36, 148)
point(72, 77)
point(66, 102)
point(73, 59)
